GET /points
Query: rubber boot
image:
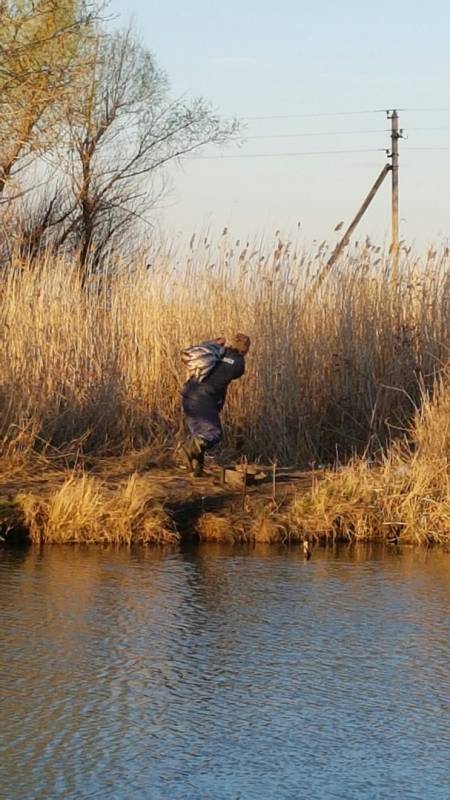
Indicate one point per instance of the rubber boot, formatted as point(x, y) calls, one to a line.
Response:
point(193, 452)
point(198, 464)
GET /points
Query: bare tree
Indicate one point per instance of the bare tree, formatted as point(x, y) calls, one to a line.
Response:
point(120, 134)
point(90, 114)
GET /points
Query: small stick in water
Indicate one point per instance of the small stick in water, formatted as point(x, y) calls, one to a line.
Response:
point(306, 549)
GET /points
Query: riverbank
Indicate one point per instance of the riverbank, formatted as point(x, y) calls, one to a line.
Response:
point(125, 501)
point(146, 498)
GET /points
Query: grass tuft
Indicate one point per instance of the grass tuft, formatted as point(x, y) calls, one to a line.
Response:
point(85, 509)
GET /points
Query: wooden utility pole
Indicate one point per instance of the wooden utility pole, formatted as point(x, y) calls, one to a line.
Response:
point(345, 238)
point(396, 134)
point(395, 245)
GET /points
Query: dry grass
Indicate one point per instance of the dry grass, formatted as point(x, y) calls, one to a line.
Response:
point(331, 371)
point(404, 499)
point(264, 526)
point(90, 373)
point(85, 509)
point(215, 528)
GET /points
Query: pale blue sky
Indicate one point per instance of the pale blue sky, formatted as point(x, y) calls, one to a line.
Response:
point(284, 58)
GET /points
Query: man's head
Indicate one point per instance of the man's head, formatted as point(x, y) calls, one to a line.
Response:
point(241, 343)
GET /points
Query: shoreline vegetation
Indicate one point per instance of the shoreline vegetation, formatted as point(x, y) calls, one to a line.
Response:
point(347, 379)
point(347, 384)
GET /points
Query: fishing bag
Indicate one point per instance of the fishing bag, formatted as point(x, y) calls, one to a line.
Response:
point(200, 359)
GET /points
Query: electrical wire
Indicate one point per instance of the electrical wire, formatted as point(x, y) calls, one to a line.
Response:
point(441, 128)
point(321, 114)
point(335, 133)
point(309, 134)
point(342, 113)
point(318, 133)
point(282, 155)
point(428, 149)
point(424, 109)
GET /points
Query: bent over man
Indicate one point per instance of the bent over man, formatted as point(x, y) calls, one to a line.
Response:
point(203, 401)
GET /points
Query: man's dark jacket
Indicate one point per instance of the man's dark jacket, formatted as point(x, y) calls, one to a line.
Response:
point(211, 392)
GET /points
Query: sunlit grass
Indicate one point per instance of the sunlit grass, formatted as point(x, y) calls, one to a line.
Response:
point(85, 509)
point(405, 498)
point(332, 371)
point(340, 373)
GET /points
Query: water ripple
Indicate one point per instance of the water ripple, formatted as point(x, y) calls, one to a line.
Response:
point(223, 674)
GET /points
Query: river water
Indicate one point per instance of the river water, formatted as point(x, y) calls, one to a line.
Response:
point(213, 673)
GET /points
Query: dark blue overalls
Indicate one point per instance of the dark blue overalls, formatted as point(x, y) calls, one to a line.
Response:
point(203, 402)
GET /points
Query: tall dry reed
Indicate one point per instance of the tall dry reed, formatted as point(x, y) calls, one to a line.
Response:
point(405, 498)
point(331, 371)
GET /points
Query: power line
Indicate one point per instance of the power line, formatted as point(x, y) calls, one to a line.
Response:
point(408, 149)
point(423, 109)
point(336, 133)
point(318, 133)
point(282, 155)
point(340, 113)
point(308, 153)
point(320, 114)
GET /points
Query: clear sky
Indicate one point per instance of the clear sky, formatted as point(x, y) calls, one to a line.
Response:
point(255, 58)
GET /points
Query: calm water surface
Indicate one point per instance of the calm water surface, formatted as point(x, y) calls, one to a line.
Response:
point(218, 673)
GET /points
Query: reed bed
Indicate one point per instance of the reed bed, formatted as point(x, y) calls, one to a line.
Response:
point(404, 499)
point(334, 370)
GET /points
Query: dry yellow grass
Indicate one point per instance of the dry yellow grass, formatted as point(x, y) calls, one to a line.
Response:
point(330, 371)
point(334, 371)
point(404, 499)
point(259, 523)
point(85, 509)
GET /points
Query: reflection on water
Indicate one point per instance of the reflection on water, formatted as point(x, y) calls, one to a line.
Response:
point(216, 674)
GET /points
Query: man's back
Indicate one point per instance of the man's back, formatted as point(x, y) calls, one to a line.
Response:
point(230, 367)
